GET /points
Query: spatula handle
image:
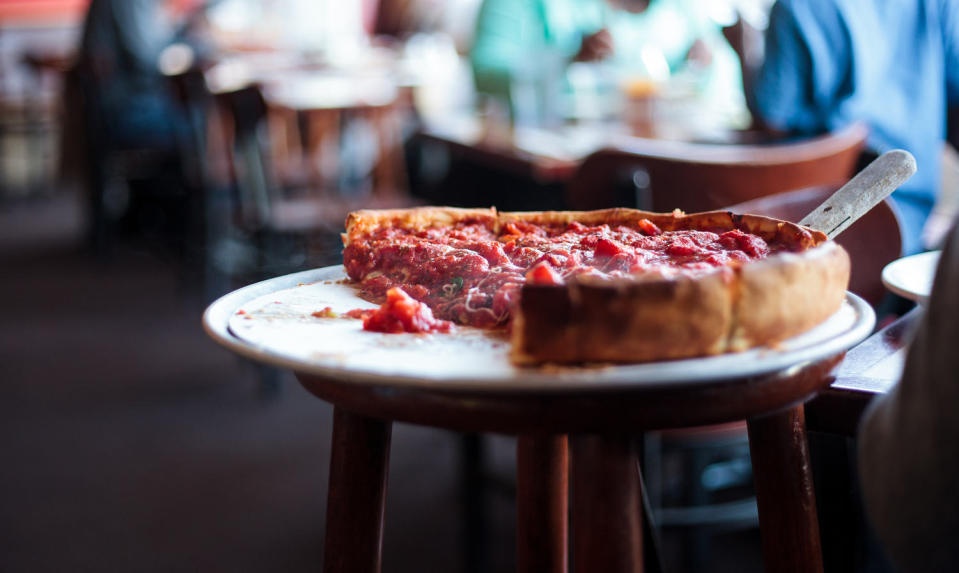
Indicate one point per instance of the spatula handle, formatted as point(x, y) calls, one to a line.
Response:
point(862, 193)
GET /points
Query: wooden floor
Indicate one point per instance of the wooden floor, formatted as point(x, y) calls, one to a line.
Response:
point(129, 442)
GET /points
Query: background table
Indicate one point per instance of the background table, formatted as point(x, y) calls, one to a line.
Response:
point(553, 154)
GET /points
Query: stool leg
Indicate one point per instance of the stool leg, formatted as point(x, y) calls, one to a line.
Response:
point(607, 501)
point(784, 493)
point(359, 465)
point(542, 488)
point(474, 498)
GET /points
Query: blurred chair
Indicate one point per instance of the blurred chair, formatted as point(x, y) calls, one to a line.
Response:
point(699, 484)
point(292, 226)
point(344, 133)
point(106, 167)
point(29, 84)
point(666, 175)
point(204, 176)
point(873, 241)
point(273, 215)
point(37, 113)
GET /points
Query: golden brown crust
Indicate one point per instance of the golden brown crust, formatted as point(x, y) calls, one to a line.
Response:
point(787, 294)
point(623, 321)
point(364, 221)
point(620, 216)
point(654, 317)
point(729, 310)
point(361, 222)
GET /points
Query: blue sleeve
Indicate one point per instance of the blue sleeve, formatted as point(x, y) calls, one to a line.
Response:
point(782, 89)
point(949, 20)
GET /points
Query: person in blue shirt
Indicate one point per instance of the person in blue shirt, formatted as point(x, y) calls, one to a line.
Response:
point(892, 65)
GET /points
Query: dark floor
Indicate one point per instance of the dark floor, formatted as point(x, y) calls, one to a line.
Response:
point(130, 442)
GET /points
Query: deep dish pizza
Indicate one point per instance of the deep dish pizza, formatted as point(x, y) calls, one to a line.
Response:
point(612, 285)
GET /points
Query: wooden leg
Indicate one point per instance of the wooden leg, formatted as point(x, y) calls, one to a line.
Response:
point(607, 503)
point(473, 496)
point(359, 466)
point(784, 493)
point(542, 524)
point(837, 503)
point(323, 147)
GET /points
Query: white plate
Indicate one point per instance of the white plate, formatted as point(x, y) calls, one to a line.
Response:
point(276, 327)
point(911, 277)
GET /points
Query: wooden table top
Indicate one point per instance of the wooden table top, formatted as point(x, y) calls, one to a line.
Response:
point(302, 82)
point(870, 369)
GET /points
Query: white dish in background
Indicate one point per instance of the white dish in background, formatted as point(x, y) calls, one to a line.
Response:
point(281, 331)
point(911, 277)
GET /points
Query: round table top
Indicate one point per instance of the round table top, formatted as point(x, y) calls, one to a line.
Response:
point(308, 92)
point(272, 322)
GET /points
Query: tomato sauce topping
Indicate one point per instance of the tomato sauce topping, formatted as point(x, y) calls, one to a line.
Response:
point(402, 313)
point(470, 275)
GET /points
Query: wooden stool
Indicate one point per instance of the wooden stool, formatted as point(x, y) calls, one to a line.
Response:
point(596, 429)
point(589, 417)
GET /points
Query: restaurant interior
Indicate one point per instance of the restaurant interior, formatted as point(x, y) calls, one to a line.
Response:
point(156, 155)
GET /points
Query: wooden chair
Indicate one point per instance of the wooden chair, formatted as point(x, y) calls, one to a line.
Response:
point(106, 166)
point(664, 175)
point(274, 213)
point(873, 241)
point(227, 161)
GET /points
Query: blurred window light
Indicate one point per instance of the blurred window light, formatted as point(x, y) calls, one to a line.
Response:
point(332, 28)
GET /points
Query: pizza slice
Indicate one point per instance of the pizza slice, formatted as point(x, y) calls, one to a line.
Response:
point(616, 285)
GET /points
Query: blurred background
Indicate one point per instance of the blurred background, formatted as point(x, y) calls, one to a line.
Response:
point(157, 154)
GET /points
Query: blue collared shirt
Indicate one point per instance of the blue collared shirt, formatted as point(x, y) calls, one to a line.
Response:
point(893, 64)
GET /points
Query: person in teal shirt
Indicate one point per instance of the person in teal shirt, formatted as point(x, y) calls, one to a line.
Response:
point(524, 40)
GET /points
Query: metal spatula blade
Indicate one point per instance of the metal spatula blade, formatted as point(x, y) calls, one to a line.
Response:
point(861, 193)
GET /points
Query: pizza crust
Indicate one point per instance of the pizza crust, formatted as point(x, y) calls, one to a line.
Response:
point(623, 321)
point(361, 222)
point(787, 294)
point(646, 318)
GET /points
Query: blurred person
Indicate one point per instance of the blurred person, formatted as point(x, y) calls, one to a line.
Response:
point(907, 439)
point(126, 104)
point(826, 63)
point(119, 57)
point(632, 38)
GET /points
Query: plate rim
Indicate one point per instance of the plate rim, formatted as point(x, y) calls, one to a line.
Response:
point(896, 287)
point(625, 377)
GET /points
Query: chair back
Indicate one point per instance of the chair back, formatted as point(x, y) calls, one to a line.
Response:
point(244, 111)
point(665, 175)
point(873, 241)
point(190, 93)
